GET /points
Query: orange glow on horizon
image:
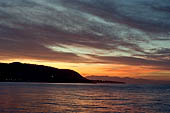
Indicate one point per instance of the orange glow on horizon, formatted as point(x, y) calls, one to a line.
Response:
point(97, 69)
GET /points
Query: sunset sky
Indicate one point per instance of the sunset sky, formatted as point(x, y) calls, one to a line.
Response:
point(125, 38)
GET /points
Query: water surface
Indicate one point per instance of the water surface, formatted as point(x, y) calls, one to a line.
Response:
point(83, 98)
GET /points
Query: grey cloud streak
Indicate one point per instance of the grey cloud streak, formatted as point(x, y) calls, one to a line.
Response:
point(133, 61)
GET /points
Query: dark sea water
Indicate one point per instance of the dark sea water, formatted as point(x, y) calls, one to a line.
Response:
point(83, 98)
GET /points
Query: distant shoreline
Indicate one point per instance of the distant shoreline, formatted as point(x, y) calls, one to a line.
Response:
point(92, 82)
point(128, 80)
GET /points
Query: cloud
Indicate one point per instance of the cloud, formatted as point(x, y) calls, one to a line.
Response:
point(134, 61)
point(160, 54)
point(163, 51)
point(47, 29)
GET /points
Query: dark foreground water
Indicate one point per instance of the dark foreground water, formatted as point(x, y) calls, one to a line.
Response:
point(83, 98)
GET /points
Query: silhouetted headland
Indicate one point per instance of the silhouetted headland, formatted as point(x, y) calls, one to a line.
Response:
point(18, 72)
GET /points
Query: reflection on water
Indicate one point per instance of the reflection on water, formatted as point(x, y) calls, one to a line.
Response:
point(83, 98)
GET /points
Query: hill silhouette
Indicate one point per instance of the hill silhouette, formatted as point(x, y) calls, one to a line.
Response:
point(18, 72)
point(127, 80)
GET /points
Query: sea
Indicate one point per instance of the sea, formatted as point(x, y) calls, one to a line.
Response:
point(83, 98)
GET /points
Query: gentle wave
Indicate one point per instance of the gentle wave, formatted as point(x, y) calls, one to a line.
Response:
point(83, 98)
